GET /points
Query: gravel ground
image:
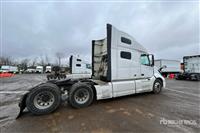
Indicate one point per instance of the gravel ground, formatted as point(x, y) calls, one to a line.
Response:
point(136, 113)
point(11, 89)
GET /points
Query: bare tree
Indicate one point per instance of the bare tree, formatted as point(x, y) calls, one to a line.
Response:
point(4, 60)
point(59, 56)
point(42, 62)
point(34, 61)
point(24, 64)
point(47, 60)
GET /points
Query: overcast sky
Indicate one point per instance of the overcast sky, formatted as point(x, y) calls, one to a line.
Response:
point(169, 30)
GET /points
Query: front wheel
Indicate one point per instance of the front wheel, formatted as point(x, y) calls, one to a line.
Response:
point(43, 99)
point(80, 95)
point(157, 86)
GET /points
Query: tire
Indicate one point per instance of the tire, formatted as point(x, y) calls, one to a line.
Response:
point(48, 77)
point(43, 99)
point(80, 95)
point(157, 86)
point(194, 77)
point(198, 77)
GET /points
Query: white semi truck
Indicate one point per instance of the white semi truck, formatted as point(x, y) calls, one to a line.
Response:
point(79, 69)
point(120, 66)
point(48, 69)
point(79, 66)
point(191, 68)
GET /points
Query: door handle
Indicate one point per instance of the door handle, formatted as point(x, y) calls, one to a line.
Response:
point(142, 74)
point(135, 75)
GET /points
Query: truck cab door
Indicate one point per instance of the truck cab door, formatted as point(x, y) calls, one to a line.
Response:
point(146, 73)
point(146, 66)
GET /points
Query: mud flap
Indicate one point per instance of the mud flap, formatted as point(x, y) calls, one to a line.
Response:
point(22, 105)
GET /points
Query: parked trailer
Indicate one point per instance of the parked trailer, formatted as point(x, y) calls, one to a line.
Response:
point(172, 66)
point(39, 69)
point(120, 66)
point(30, 70)
point(9, 69)
point(191, 67)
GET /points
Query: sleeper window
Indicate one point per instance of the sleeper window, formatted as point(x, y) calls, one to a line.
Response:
point(125, 40)
point(125, 55)
point(78, 65)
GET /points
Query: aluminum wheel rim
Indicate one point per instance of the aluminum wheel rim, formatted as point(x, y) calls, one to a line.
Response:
point(157, 86)
point(81, 96)
point(44, 100)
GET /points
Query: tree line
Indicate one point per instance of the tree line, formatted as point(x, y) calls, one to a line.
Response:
point(27, 62)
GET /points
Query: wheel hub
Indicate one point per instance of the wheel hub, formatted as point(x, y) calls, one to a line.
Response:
point(157, 86)
point(43, 100)
point(81, 96)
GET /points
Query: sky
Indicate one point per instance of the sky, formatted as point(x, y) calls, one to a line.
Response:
point(169, 30)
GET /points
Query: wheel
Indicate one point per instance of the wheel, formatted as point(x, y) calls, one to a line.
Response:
point(48, 77)
point(43, 99)
point(157, 86)
point(194, 77)
point(51, 77)
point(61, 76)
point(198, 77)
point(80, 95)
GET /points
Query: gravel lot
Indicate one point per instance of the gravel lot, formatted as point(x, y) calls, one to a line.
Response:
point(179, 103)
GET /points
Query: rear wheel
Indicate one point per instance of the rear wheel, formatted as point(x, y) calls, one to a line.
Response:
point(157, 86)
point(80, 95)
point(43, 99)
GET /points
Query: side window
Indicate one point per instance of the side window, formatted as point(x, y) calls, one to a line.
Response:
point(78, 65)
point(88, 66)
point(78, 59)
point(144, 60)
point(125, 40)
point(125, 55)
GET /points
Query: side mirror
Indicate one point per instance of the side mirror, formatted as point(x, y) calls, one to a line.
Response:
point(151, 59)
point(160, 69)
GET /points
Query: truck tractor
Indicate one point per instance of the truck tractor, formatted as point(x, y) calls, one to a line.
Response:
point(78, 69)
point(56, 74)
point(191, 68)
point(120, 67)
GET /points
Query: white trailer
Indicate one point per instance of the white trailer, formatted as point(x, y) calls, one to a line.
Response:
point(10, 69)
point(120, 66)
point(4, 69)
point(39, 69)
point(30, 70)
point(191, 68)
point(13, 69)
point(191, 64)
point(172, 66)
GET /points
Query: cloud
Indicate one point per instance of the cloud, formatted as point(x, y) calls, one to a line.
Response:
point(168, 30)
